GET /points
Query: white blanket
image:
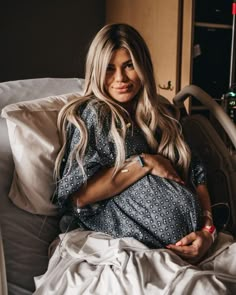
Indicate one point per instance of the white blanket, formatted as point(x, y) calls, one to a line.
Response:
point(94, 263)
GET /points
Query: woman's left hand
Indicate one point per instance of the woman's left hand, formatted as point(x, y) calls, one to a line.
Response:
point(193, 247)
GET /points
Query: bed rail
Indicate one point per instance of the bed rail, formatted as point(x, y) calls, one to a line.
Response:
point(3, 277)
point(216, 110)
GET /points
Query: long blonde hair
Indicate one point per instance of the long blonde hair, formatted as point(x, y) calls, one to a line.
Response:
point(152, 111)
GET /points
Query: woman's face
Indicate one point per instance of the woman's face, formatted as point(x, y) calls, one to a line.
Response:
point(122, 82)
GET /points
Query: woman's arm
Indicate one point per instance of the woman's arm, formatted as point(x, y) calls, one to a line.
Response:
point(104, 184)
point(205, 202)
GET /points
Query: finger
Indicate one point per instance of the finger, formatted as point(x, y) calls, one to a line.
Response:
point(175, 177)
point(187, 240)
point(185, 250)
point(191, 257)
point(189, 252)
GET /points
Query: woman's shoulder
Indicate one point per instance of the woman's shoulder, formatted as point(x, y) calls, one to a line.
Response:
point(88, 108)
point(93, 111)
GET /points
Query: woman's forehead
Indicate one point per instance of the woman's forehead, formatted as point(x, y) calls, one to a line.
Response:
point(119, 55)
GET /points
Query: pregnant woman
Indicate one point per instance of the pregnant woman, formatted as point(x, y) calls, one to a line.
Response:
point(124, 168)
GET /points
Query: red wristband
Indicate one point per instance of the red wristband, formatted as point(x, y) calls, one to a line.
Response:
point(234, 8)
point(212, 230)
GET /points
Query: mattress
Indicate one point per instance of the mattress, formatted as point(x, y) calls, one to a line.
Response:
point(26, 238)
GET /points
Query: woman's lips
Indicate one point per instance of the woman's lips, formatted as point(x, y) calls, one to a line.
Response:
point(122, 89)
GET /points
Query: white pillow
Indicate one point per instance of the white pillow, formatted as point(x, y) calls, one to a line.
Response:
point(25, 128)
point(35, 143)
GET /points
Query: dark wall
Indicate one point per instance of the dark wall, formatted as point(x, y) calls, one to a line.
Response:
point(211, 68)
point(47, 38)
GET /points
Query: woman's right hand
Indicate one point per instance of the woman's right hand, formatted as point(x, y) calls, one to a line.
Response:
point(162, 167)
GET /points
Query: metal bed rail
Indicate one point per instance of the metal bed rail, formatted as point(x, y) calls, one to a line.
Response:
point(216, 110)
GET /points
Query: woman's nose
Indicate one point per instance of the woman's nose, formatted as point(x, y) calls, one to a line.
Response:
point(120, 75)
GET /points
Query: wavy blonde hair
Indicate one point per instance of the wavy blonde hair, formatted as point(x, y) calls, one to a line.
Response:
point(152, 111)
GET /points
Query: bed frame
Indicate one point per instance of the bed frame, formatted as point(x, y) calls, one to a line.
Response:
point(26, 249)
point(219, 156)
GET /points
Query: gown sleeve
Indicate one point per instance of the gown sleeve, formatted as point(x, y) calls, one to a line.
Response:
point(198, 173)
point(99, 153)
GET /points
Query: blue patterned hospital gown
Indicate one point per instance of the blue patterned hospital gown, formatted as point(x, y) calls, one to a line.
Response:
point(154, 210)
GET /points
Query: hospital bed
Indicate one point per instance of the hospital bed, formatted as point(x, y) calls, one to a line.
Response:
point(29, 223)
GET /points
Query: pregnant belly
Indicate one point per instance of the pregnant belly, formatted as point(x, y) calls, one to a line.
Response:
point(154, 210)
point(161, 204)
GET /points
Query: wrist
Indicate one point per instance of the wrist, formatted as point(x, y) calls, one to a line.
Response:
point(146, 159)
point(207, 214)
point(207, 218)
point(212, 230)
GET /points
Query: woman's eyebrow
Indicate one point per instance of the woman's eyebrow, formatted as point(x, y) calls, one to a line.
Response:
point(127, 62)
point(124, 63)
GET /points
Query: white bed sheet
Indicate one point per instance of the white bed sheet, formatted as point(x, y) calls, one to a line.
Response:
point(94, 263)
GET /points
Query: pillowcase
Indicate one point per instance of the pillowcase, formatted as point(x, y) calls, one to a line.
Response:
point(24, 90)
point(34, 140)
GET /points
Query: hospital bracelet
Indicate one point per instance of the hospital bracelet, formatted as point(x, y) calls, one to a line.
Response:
point(140, 160)
point(212, 230)
point(132, 161)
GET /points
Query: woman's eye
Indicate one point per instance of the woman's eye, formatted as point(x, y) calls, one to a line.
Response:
point(110, 68)
point(130, 65)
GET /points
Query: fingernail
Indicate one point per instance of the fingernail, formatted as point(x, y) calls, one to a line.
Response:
point(178, 243)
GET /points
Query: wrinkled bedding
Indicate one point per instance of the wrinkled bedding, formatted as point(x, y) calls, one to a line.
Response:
point(86, 262)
